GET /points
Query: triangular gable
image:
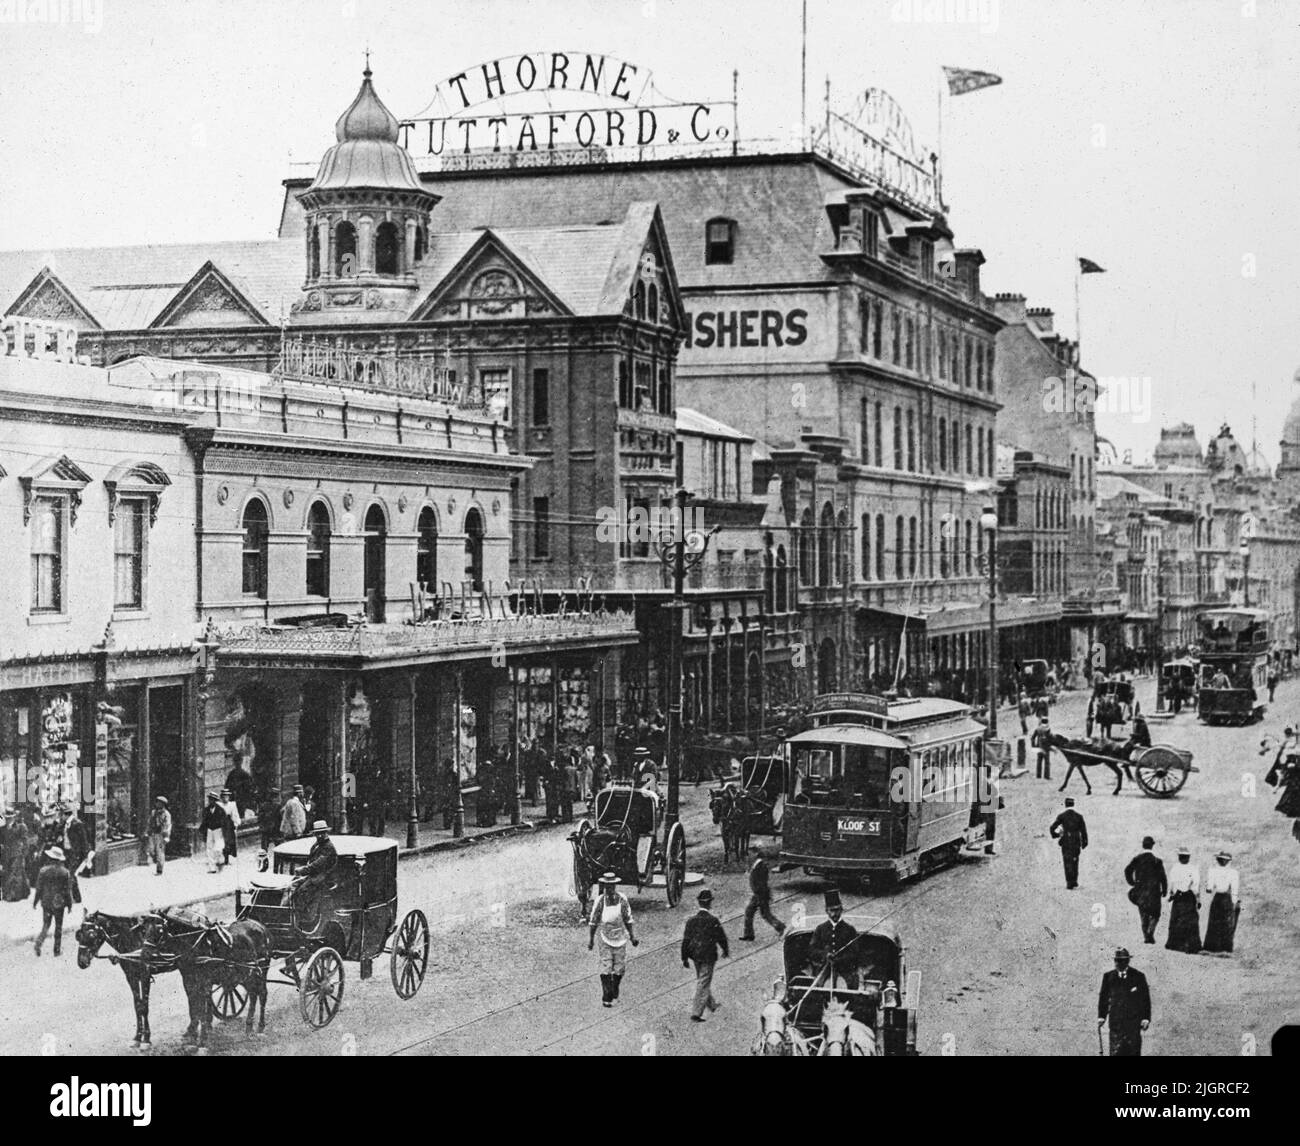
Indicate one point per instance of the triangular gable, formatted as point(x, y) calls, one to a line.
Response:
point(643, 234)
point(47, 298)
point(490, 281)
point(209, 299)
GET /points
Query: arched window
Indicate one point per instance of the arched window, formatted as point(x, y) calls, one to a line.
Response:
point(387, 248)
point(474, 549)
point(943, 554)
point(866, 547)
point(826, 545)
point(943, 443)
point(652, 312)
point(345, 250)
point(843, 555)
point(374, 571)
point(313, 252)
point(426, 550)
point(318, 550)
point(640, 299)
point(880, 547)
point(421, 242)
point(807, 547)
point(255, 546)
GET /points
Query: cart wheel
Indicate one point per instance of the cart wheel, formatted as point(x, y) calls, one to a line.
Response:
point(228, 1000)
point(410, 956)
point(320, 987)
point(1160, 772)
point(675, 865)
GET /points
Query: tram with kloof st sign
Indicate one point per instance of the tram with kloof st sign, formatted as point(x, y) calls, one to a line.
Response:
point(884, 787)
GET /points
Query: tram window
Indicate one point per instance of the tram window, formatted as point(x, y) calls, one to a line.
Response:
point(813, 773)
point(866, 776)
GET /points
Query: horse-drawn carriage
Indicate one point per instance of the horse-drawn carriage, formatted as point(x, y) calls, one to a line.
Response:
point(1160, 770)
point(1112, 703)
point(817, 1011)
point(1178, 682)
point(625, 839)
point(1037, 681)
point(752, 806)
point(353, 919)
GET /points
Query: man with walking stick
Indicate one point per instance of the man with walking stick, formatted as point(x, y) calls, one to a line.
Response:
point(1125, 1002)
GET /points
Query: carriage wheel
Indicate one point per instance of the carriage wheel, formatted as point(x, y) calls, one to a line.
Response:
point(1160, 772)
point(675, 865)
point(228, 999)
point(410, 956)
point(320, 987)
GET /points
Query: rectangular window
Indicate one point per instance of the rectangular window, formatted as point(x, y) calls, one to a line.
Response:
point(943, 354)
point(864, 432)
point(665, 392)
point(911, 441)
point(898, 437)
point(495, 385)
point(129, 535)
point(879, 434)
point(541, 527)
point(898, 337)
point(911, 343)
point(966, 377)
point(718, 242)
point(624, 386)
point(870, 233)
point(541, 397)
point(877, 329)
point(47, 554)
point(979, 368)
point(926, 343)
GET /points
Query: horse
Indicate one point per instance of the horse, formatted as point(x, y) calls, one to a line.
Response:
point(843, 1035)
point(730, 814)
point(1069, 747)
point(125, 935)
point(208, 954)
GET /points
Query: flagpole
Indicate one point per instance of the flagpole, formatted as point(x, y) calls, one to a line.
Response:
point(943, 79)
point(1078, 330)
point(803, 80)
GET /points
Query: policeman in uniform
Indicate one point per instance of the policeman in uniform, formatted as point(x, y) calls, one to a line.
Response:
point(1072, 832)
point(834, 945)
point(1125, 1002)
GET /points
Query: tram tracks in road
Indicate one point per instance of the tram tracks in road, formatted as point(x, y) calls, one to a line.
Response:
point(931, 883)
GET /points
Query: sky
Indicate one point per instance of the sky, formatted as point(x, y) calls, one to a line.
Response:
point(1160, 139)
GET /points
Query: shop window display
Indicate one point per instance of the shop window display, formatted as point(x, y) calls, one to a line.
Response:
point(119, 724)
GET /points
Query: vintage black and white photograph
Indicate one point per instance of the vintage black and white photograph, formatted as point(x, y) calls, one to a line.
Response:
point(650, 528)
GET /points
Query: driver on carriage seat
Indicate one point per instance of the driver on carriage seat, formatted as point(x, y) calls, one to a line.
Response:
point(311, 880)
point(834, 945)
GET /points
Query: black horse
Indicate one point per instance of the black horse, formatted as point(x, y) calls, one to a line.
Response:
point(732, 817)
point(212, 955)
point(125, 935)
point(1112, 754)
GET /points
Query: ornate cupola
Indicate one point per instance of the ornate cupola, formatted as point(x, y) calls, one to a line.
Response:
point(367, 220)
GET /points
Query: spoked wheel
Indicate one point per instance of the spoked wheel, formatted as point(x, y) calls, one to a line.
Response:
point(228, 1000)
point(320, 987)
point(675, 865)
point(1160, 772)
point(410, 956)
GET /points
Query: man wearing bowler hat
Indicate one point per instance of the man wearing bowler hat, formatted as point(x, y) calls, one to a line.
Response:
point(1069, 829)
point(313, 877)
point(1125, 1002)
point(833, 948)
point(702, 939)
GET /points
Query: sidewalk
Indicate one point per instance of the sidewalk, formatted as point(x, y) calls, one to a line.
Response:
point(186, 882)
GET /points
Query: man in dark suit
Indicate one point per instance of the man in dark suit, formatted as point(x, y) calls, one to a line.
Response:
point(1072, 832)
point(702, 939)
point(760, 899)
point(1126, 1002)
point(1148, 886)
point(834, 943)
point(53, 895)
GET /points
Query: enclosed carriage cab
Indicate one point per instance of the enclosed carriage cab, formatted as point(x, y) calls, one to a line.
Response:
point(884, 787)
point(1234, 665)
point(358, 909)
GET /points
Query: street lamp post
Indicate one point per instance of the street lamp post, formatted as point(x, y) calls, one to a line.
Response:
point(679, 549)
point(989, 524)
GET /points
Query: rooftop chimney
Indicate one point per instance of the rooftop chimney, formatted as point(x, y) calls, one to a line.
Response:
point(1041, 318)
point(1010, 308)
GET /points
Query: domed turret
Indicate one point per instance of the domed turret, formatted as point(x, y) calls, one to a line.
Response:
point(367, 217)
point(1178, 447)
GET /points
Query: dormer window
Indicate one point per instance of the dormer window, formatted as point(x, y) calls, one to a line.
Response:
point(925, 255)
point(719, 242)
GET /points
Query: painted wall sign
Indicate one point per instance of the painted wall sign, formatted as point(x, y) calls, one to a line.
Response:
point(780, 325)
point(555, 101)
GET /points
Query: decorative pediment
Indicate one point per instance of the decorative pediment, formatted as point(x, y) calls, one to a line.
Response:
point(136, 479)
point(209, 299)
point(58, 476)
point(490, 281)
point(48, 299)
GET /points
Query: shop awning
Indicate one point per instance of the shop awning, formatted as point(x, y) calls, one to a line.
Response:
point(946, 620)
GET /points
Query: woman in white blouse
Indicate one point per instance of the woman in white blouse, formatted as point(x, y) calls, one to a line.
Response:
point(1223, 886)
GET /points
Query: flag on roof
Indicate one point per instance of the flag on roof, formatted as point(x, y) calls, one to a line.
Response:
point(963, 80)
point(1088, 267)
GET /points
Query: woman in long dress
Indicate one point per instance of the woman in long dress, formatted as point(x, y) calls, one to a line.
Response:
point(1222, 884)
point(1185, 896)
point(17, 843)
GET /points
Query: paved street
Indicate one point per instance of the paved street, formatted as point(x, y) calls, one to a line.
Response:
point(1010, 960)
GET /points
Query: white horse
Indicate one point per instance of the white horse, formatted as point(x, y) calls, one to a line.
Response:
point(843, 1035)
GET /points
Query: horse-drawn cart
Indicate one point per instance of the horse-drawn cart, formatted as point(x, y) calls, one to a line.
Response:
point(624, 839)
point(1160, 770)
